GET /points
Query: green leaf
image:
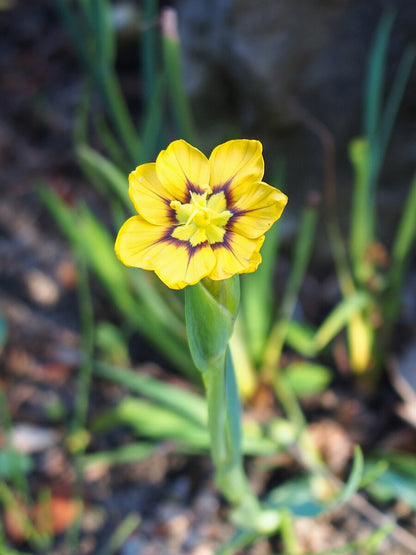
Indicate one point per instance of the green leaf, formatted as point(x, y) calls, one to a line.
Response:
point(257, 296)
point(340, 316)
point(12, 462)
point(3, 330)
point(297, 497)
point(103, 31)
point(188, 404)
point(354, 479)
point(124, 454)
point(361, 224)
point(300, 336)
point(303, 252)
point(393, 484)
point(375, 79)
point(107, 172)
point(400, 258)
point(398, 481)
point(240, 540)
point(121, 534)
point(402, 462)
point(173, 64)
point(111, 342)
point(159, 423)
point(307, 378)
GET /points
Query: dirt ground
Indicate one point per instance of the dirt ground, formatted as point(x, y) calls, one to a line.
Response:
point(177, 507)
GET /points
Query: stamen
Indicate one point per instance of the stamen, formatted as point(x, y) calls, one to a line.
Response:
point(175, 204)
point(193, 214)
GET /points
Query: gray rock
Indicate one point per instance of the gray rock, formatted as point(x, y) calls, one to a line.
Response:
point(291, 73)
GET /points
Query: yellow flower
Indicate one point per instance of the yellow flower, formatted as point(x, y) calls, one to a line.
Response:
point(199, 217)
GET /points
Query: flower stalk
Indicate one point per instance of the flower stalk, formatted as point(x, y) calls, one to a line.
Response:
point(211, 308)
point(200, 222)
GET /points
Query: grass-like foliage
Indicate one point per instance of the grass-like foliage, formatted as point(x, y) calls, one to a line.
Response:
point(242, 353)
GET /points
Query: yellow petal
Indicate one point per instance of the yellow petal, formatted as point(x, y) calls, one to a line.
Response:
point(149, 196)
point(178, 264)
point(143, 245)
point(237, 255)
point(256, 209)
point(182, 168)
point(235, 162)
point(136, 240)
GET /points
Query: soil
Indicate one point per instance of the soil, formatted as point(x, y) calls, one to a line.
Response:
point(172, 497)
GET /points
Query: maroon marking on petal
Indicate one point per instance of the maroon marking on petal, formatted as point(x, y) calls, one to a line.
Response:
point(224, 243)
point(233, 219)
point(193, 250)
point(223, 187)
point(181, 243)
point(173, 240)
point(194, 188)
point(172, 213)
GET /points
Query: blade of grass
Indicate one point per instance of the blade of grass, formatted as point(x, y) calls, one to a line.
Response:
point(103, 31)
point(303, 251)
point(340, 316)
point(394, 99)
point(121, 534)
point(111, 143)
point(149, 50)
point(153, 319)
point(354, 479)
point(187, 403)
point(344, 275)
point(374, 87)
point(257, 297)
point(116, 105)
point(102, 74)
point(79, 418)
point(289, 539)
point(190, 406)
point(99, 247)
point(400, 256)
point(159, 423)
point(19, 464)
point(245, 372)
point(124, 454)
point(240, 540)
point(300, 337)
point(86, 316)
point(10, 502)
point(172, 60)
point(153, 120)
point(366, 546)
point(75, 29)
point(107, 172)
point(364, 190)
point(362, 223)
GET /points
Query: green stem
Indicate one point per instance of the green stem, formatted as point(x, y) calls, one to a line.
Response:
point(211, 308)
point(224, 413)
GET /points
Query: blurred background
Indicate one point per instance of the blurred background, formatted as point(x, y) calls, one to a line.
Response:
point(94, 455)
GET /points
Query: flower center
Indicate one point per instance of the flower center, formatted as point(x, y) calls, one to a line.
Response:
point(202, 219)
